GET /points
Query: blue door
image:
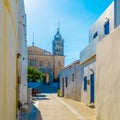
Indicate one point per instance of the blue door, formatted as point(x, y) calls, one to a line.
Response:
point(92, 88)
point(63, 87)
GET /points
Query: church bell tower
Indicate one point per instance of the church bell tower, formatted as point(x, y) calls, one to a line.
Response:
point(58, 44)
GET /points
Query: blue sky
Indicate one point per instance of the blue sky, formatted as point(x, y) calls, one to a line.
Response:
point(76, 17)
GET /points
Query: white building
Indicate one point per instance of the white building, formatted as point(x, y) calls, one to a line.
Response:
point(107, 73)
point(108, 78)
point(105, 24)
point(22, 50)
point(70, 81)
point(12, 45)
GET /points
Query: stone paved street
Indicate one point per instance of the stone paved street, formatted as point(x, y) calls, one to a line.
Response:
point(48, 106)
point(52, 107)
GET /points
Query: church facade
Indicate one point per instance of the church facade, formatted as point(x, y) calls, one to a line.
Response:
point(50, 64)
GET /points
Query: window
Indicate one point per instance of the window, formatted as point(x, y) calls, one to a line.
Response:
point(63, 83)
point(59, 64)
point(95, 35)
point(73, 77)
point(49, 65)
point(57, 50)
point(32, 62)
point(106, 27)
point(85, 83)
point(66, 81)
point(41, 64)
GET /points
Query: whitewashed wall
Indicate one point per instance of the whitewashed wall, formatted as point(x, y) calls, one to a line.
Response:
point(99, 24)
point(117, 12)
point(85, 94)
point(8, 58)
point(22, 49)
point(87, 56)
point(73, 89)
point(108, 77)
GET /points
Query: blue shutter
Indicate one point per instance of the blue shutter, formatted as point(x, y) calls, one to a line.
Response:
point(106, 27)
point(85, 83)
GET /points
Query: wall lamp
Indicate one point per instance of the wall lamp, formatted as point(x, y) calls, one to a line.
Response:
point(18, 55)
point(106, 18)
point(91, 70)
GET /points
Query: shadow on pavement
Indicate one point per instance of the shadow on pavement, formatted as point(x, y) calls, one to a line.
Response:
point(43, 88)
point(32, 113)
point(35, 114)
point(40, 97)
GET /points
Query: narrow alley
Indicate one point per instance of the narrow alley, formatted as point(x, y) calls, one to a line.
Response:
point(60, 60)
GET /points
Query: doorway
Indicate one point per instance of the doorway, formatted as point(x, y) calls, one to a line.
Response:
point(63, 87)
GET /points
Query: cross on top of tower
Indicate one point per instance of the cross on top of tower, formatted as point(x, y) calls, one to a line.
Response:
point(58, 30)
point(33, 43)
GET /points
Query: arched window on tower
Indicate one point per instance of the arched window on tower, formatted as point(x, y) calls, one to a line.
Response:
point(59, 50)
point(41, 64)
point(59, 64)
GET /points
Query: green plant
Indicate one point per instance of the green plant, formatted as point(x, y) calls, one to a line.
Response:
point(34, 75)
